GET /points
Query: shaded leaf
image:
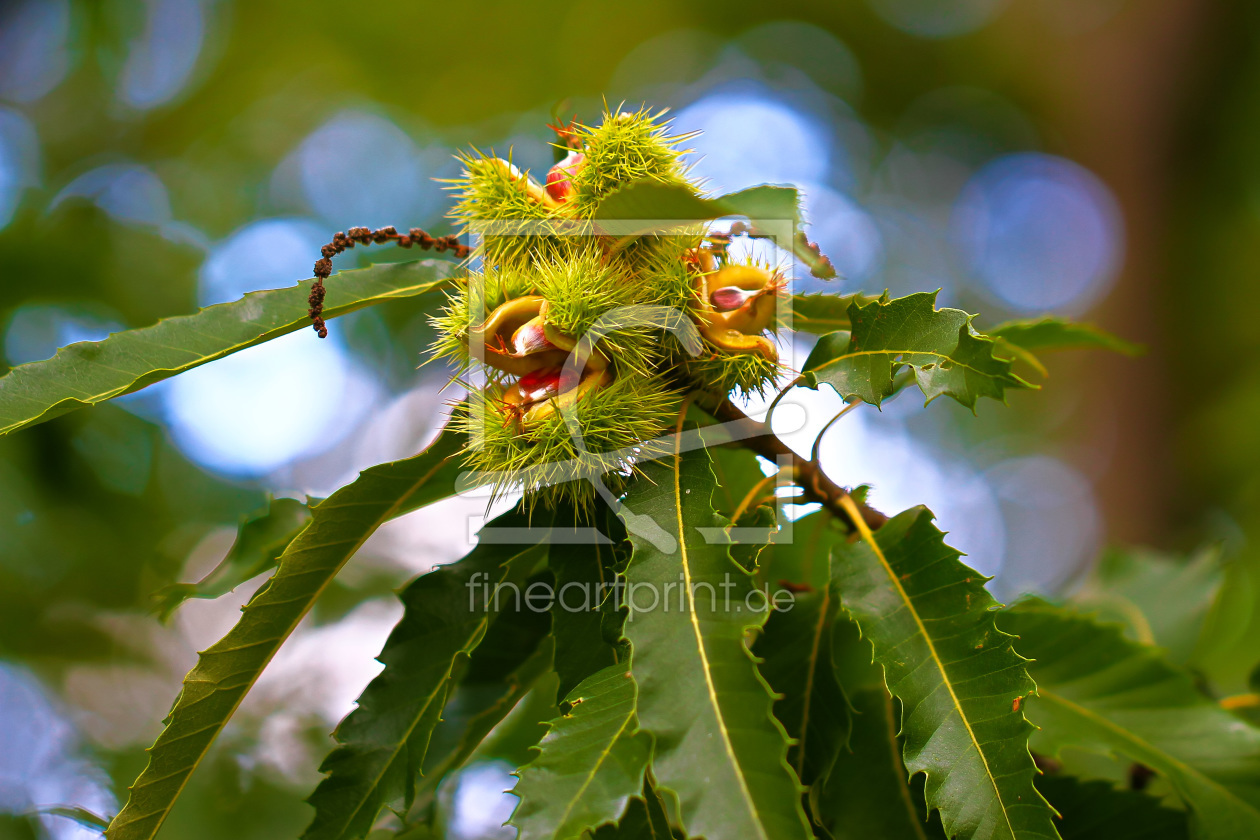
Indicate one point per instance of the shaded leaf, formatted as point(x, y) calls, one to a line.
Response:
point(939, 345)
point(383, 741)
point(961, 684)
point(737, 471)
point(795, 648)
point(260, 540)
point(1163, 600)
point(1059, 334)
point(90, 372)
point(1098, 811)
point(656, 202)
point(583, 567)
point(226, 671)
point(1100, 692)
point(1227, 647)
point(869, 793)
point(643, 819)
point(479, 702)
point(718, 749)
point(590, 762)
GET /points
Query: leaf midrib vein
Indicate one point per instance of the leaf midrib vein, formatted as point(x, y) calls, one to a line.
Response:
point(1132, 738)
point(704, 656)
point(869, 539)
point(162, 813)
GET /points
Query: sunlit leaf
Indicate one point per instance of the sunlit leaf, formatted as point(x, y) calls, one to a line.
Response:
point(382, 743)
point(90, 372)
point(260, 540)
point(718, 749)
point(657, 203)
point(960, 682)
point(227, 670)
point(1100, 692)
point(821, 314)
point(589, 763)
point(939, 345)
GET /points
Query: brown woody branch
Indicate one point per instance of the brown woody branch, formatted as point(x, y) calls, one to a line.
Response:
point(815, 484)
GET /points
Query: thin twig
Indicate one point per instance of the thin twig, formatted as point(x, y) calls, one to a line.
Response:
point(854, 402)
point(812, 480)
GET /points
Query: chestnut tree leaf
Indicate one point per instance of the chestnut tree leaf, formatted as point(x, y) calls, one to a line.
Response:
point(228, 669)
point(383, 741)
point(961, 684)
point(945, 354)
point(1101, 692)
point(589, 765)
point(718, 750)
point(656, 203)
point(91, 372)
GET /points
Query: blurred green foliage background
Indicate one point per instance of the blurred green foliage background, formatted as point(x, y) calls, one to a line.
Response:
point(1096, 158)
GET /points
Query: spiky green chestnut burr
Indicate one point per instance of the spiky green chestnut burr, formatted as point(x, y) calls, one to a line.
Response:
point(579, 380)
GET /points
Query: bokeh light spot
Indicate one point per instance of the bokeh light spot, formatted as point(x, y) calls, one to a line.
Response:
point(749, 140)
point(256, 410)
point(1039, 232)
point(19, 161)
point(1052, 518)
point(160, 62)
point(129, 193)
point(934, 19)
point(845, 232)
point(267, 254)
point(33, 55)
point(362, 169)
point(481, 803)
point(35, 331)
point(39, 765)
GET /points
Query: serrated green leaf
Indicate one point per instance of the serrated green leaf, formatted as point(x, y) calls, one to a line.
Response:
point(1100, 692)
point(819, 314)
point(480, 701)
point(655, 202)
point(795, 648)
point(226, 671)
point(583, 576)
point(643, 819)
point(90, 372)
point(1060, 334)
point(737, 471)
point(961, 684)
point(590, 762)
point(1226, 653)
point(718, 749)
point(261, 538)
point(1162, 599)
point(869, 793)
point(939, 345)
point(382, 743)
point(1098, 811)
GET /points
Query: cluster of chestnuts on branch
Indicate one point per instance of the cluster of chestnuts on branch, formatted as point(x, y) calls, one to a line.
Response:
point(588, 342)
